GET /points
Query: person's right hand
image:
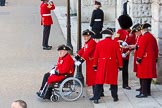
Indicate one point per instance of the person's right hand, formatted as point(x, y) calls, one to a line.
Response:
point(52, 71)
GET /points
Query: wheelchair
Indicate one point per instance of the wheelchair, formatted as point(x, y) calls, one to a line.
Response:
point(70, 89)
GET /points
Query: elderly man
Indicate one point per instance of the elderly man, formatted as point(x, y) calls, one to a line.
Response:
point(107, 60)
point(64, 68)
point(147, 55)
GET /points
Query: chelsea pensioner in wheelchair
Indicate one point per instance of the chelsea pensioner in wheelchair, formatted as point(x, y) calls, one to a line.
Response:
point(60, 81)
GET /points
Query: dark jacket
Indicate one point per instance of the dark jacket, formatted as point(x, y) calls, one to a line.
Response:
point(97, 19)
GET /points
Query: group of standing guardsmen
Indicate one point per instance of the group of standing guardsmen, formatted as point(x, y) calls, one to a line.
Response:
point(104, 58)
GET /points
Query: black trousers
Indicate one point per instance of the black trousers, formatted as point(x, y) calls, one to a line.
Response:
point(93, 89)
point(97, 35)
point(98, 91)
point(125, 73)
point(46, 33)
point(146, 86)
point(47, 90)
point(114, 91)
point(45, 78)
point(2, 2)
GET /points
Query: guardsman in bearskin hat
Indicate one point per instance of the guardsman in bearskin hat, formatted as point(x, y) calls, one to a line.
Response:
point(124, 38)
point(97, 20)
point(86, 53)
point(147, 55)
point(64, 68)
point(46, 20)
point(107, 61)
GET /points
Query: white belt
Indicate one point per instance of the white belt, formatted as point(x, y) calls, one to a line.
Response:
point(46, 15)
point(97, 20)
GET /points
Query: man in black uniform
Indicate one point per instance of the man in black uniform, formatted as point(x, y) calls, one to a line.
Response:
point(97, 21)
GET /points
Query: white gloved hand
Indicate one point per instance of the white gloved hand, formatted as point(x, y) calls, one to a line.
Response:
point(124, 44)
point(124, 55)
point(52, 71)
point(77, 63)
point(74, 59)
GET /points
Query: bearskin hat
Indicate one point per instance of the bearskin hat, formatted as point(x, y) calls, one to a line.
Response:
point(125, 21)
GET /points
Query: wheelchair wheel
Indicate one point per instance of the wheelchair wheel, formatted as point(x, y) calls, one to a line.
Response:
point(54, 98)
point(71, 89)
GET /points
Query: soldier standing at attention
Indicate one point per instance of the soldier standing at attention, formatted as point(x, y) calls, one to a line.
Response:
point(46, 20)
point(124, 38)
point(97, 21)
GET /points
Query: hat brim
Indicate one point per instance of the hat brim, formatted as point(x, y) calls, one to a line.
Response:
point(106, 32)
point(146, 25)
point(89, 33)
point(64, 47)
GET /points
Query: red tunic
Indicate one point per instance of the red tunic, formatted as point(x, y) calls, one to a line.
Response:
point(108, 58)
point(123, 35)
point(148, 52)
point(65, 65)
point(45, 12)
point(87, 53)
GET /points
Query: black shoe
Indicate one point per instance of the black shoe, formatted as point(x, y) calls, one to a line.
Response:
point(102, 95)
point(127, 87)
point(139, 89)
point(39, 94)
point(96, 101)
point(141, 96)
point(47, 48)
point(116, 99)
point(92, 98)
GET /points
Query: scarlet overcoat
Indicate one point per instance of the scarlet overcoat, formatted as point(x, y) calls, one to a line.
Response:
point(107, 58)
point(45, 11)
point(148, 53)
point(65, 65)
point(87, 53)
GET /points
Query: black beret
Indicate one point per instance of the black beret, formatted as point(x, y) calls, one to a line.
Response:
point(136, 27)
point(97, 3)
point(146, 25)
point(107, 31)
point(88, 32)
point(125, 21)
point(63, 47)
